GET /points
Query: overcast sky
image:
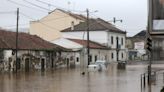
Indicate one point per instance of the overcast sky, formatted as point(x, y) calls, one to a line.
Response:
point(132, 12)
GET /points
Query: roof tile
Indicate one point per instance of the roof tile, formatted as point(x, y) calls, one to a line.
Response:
point(25, 41)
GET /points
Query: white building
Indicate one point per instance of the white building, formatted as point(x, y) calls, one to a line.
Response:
point(103, 33)
point(78, 53)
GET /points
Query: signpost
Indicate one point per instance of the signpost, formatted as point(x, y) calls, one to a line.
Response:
point(155, 28)
point(156, 17)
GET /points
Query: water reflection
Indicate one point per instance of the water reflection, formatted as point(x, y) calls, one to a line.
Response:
point(70, 80)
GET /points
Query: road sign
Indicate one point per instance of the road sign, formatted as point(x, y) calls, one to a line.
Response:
point(156, 17)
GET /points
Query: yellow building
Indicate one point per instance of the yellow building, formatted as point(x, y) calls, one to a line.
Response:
point(49, 27)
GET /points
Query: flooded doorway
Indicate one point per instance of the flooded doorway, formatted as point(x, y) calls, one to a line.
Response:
point(42, 64)
point(27, 64)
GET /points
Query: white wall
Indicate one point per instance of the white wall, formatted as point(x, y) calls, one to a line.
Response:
point(97, 36)
point(7, 54)
point(101, 54)
point(102, 37)
point(124, 55)
point(115, 35)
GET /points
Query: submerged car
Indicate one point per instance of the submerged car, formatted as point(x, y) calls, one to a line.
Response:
point(99, 65)
point(93, 67)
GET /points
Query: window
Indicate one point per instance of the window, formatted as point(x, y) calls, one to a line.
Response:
point(117, 42)
point(37, 53)
point(77, 59)
point(122, 55)
point(112, 56)
point(95, 58)
point(1, 54)
point(111, 39)
point(122, 41)
point(90, 58)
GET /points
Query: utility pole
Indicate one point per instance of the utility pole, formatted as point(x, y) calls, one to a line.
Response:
point(149, 29)
point(17, 25)
point(88, 47)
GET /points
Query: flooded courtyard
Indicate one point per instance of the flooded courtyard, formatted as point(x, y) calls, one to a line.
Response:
point(71, 80)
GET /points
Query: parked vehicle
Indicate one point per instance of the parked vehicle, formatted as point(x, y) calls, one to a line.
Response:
point(99, 65)
point(102, 64)
point(93, 67)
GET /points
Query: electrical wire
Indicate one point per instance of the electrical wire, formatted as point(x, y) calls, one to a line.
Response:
point(15, 25)
point(39, 22)
point(44, 23)
point(24, 5)
point(8, 12)
point(58, 6)
point(55, 18)
point(36, 5)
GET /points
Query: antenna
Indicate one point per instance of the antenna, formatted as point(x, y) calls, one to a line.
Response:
point(69, 3)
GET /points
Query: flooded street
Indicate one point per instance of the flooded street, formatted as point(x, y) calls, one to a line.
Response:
point(70, 80)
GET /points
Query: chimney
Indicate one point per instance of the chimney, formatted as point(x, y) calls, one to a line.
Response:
point(72, 25)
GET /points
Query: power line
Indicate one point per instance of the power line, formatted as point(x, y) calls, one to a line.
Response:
point(23, 5)
point(8, 12)
point(15, 25)
point(39, 21)
point(58, 6)
point(36, 5)
point(48, 4)
point(55, 18)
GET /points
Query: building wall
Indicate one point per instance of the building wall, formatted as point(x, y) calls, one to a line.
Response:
point(34, 57)
point(50, 26)
point(94, 35)
point(71, 58)
point(120, 38)
point(99, 53)
point(104, 38)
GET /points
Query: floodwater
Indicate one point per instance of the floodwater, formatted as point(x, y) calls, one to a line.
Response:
point(71, 80)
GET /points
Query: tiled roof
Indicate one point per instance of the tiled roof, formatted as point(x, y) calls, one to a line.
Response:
point(92, 44)
point(95, 25)
point(25, 41)
point(142, 33)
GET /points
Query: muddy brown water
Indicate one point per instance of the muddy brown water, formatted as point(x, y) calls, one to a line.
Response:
point(71, 80)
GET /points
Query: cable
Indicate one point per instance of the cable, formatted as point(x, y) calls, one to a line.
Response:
point(23, 5)
point(48, 4)
point(36, 5)
point(9, 12)
point(15, 25)
point(39, 21)
point(57, 6)
point(55, 18)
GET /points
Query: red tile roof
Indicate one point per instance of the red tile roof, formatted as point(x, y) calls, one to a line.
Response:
point(92, 44)
point(25, 41)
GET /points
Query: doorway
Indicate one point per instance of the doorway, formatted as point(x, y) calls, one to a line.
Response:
point(27, 64)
